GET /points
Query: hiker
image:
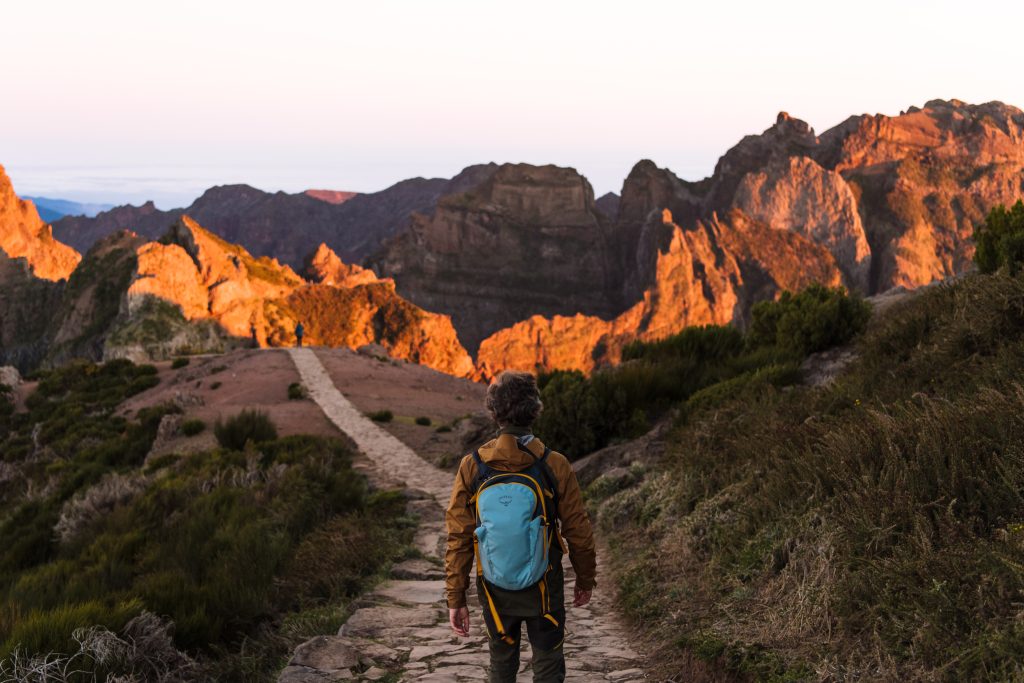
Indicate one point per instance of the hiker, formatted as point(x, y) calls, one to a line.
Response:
point(510, 500)
point(299, 329)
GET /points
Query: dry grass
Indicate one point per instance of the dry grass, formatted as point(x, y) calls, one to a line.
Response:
point(871, 530)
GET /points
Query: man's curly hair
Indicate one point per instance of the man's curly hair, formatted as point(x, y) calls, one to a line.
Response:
point(513, 399)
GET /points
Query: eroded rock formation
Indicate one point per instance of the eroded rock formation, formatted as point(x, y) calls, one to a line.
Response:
point(875, 202)
point(526, 240)
point(24, 235)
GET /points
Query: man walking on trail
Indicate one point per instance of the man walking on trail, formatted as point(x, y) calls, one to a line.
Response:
point(299, 329)
point(513, 502)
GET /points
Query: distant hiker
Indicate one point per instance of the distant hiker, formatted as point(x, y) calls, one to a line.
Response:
point(299, 329)
point(510, 500)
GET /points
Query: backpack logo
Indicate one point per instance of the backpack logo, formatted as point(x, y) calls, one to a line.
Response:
point(505, 500)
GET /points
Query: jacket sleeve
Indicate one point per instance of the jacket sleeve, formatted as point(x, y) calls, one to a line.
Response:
point(576, 527)
point(460, 523)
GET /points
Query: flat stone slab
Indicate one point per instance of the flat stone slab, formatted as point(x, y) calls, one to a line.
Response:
point(369, 621)
point(417, 570)
point(415, 592)
point(326, 653)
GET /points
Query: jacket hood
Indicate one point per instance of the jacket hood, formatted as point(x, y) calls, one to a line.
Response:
point(506, 452)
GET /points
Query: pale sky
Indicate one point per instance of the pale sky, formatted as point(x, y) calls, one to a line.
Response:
point(122, 101)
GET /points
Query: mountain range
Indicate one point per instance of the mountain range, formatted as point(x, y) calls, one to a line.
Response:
point(516, 265)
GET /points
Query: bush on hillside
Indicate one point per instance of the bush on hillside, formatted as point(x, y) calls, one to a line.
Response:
point(999, 241)
point(179, 363)
point(226, 545)
point(248, 425)
point(382, 416)
point(583, 414)
point(813, 320)
point(192, 427)
point(297, 392)
point(423, 421)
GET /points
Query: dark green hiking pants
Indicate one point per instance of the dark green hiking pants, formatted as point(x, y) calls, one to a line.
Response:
point(545, 639)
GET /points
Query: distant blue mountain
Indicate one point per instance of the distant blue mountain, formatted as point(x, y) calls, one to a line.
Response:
point(51, 210)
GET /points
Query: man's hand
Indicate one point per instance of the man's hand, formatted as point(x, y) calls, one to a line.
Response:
point(459, 619)
point(581, 597)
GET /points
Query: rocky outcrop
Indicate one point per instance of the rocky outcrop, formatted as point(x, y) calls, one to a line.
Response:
point(894, 198)
point(526, 240)
point(193, 291)
point(326, 267)
point(798, 195)
point(880, 201)
point(708, 275)
point(24, 235)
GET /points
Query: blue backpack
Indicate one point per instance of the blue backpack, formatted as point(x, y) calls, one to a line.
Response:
point(516, 515)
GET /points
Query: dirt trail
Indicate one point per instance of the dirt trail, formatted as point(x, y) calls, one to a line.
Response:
point(400, 631)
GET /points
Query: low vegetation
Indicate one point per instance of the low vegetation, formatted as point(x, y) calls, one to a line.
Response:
point(179, 363)
point(382, 416)
point(871, 529)
point(423, 421)
point(709, 364)
point(237, 431)
point(207, 567)
point(1000, 239)
point(193, 427)
point(297, 392)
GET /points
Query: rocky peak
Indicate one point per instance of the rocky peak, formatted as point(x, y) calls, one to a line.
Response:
point(788, 137)
point(331, 196)
point(219, 260)
point(990, 133)
point(523, 192)
point(325, 267)
point(525, 240)
point(24, 235)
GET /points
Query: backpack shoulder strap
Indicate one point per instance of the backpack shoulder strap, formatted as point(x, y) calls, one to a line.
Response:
point(549, 477)
point(540, 462)
point(483, 471)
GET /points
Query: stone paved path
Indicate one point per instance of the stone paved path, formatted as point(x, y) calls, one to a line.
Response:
point(400, 631)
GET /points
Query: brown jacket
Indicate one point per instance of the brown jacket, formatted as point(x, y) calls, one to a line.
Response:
point(503, 453)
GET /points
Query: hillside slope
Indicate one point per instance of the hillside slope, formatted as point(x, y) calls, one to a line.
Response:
point(867, 529)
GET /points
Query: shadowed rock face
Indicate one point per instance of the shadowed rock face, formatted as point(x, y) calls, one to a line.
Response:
point(525, 240)
point(24, 235)
point(27, 303)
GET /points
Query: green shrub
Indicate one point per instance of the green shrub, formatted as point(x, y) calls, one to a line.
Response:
point(999, 240)
point(816, 319)
point(443, 429)
point(423, 421)
point(297, 392)
point(216, 385)
point(248, 425)
point(382, 416)
point(192, 427)
point(583, 414)
point(179, 363)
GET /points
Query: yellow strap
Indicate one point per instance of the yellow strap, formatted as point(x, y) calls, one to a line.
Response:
point(551, 619)
point(494, 614)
